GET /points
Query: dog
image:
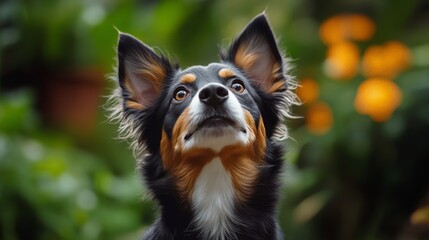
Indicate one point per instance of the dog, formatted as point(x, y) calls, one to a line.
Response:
point(207, 138)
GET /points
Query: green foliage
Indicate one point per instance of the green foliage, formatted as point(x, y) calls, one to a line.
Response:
point(363, 179)
point(360, 180)
point(52, 190)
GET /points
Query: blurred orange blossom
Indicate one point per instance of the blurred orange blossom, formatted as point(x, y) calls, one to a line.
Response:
point(346, 27)
point(309, 90)
point(342, 60)
point(319, 118)
point(378, 98)
point(386, 60)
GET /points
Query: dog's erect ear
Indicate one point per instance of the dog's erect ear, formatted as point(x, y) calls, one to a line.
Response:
point(141, 72)
point(255, 52)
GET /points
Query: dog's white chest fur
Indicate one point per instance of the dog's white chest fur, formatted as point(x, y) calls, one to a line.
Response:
point(213, 201)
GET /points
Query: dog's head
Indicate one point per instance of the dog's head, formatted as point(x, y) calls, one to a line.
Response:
point(229, 109)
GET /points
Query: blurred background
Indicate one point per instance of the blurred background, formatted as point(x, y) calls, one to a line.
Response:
point(357, 161)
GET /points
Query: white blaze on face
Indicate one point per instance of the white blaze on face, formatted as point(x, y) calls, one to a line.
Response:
point(213, 194)
point(216, 138)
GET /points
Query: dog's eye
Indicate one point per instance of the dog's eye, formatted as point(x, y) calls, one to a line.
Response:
point(238, 86)
point(180, 94)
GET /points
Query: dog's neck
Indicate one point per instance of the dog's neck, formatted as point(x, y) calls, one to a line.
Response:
point(210, 209)
point(213, 181)
point(212, 201)
point(212, 178)
point(221, 182)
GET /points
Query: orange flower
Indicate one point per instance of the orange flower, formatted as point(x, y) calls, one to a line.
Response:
point(378, 98)
point(342, 60)
point(319, 118)
point(346, 27)
point(309, 90)
point(386, 60)
point(361, 27)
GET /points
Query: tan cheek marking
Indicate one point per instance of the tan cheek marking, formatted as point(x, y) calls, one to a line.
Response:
point(261, 144)
point(185, 166)
point(242, 161)
point(239, 162)
point(188, 78)
point(173, 147)
point(251, 125)
point(179, 130)
point(257, 135)
point(226, 73)
point(166, 149)
point(190, 165)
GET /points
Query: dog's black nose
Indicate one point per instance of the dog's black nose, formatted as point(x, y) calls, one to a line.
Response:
point(213, 95)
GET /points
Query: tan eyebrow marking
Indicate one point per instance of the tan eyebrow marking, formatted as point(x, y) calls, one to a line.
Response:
point(188, 78)
point(226, 73)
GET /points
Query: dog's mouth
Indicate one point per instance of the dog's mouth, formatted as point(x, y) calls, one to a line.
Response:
point(217, 123)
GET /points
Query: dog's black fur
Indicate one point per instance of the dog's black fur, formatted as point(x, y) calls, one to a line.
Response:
point(255, 216)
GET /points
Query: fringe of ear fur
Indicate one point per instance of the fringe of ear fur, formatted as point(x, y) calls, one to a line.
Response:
point(288, 99)
point(128, 126)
